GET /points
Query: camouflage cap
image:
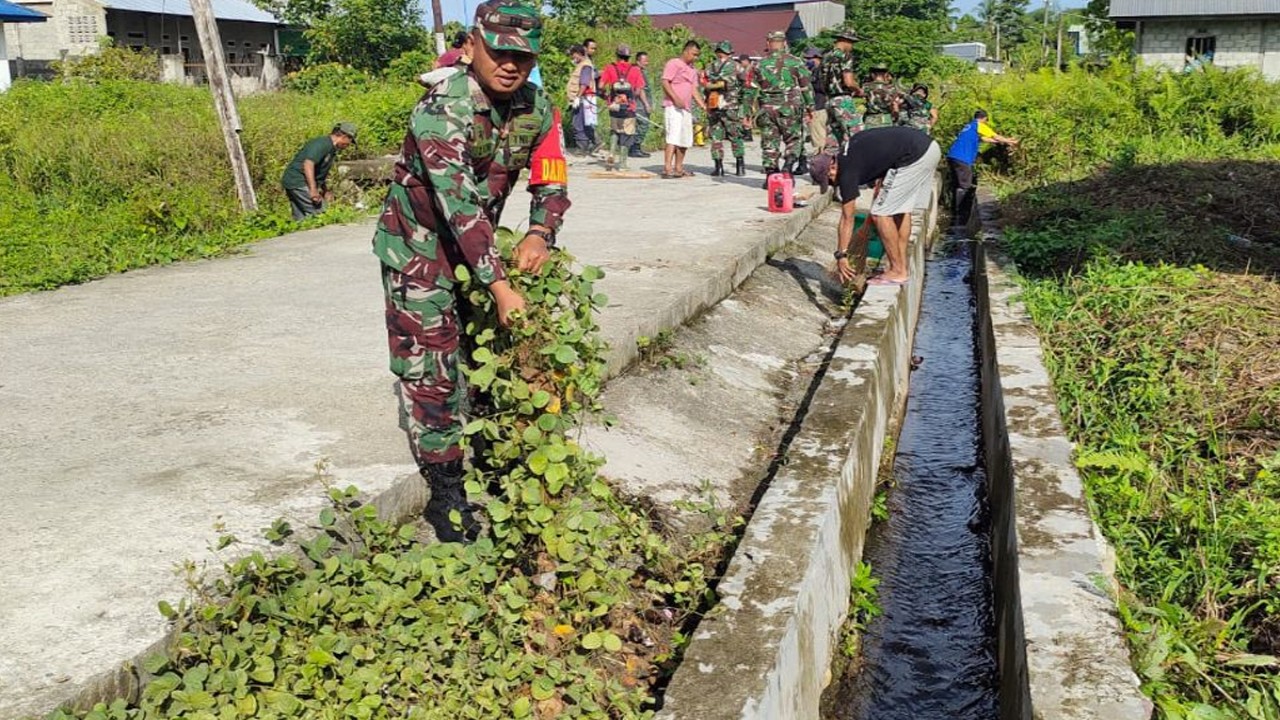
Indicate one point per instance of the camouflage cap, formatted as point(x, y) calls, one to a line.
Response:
point(846, 32)
point(346, 128)
point(878, 68)
point(776, 35)
point(624, 50)
point(510, 25)
point(724, 46)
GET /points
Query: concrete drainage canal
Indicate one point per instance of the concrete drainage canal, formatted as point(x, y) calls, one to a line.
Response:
point(994, 584)
point(931, 654)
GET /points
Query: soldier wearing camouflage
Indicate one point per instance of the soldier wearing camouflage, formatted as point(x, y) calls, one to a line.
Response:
point(838, 72)
point(781, 86)
point(917, 111)
point(882, 97)
point(472, 133)
point(723, 89)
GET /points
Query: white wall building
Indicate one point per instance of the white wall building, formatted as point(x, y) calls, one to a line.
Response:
point(164, 26)
point(13, 14)
point(1226, 33)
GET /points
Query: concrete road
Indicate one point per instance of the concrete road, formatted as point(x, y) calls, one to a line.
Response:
point(141, 413)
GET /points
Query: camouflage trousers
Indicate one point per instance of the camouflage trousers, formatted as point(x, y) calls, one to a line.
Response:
point(844, 119)
point(423, 332)
point(875, 120)
point(781, 134)
point(725, 125)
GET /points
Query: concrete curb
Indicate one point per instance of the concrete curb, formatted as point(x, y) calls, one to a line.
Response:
point(1062, 652)
point(406, 497)
point(786, 591)
point(720, 282)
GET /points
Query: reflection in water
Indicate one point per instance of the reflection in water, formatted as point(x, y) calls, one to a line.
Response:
point(931, 656)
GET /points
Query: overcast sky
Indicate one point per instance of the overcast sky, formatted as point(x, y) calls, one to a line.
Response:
point(461, 9)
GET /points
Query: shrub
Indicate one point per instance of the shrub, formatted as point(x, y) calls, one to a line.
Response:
point(328, 78)
point(111, 63)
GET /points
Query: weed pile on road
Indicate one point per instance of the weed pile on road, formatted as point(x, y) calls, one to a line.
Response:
point(569, 606)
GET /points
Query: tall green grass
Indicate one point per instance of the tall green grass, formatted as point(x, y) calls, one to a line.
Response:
point(113, 175)
point(1129, 187)
point(1073, 123)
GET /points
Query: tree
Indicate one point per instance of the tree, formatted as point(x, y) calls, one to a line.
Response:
point(1006, 20)
point(367, 34)
point(1106, 38)
point(862, 11)
point(594, 12)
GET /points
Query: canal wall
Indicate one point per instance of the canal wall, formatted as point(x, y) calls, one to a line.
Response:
point(764, 652)
point(1061, 651)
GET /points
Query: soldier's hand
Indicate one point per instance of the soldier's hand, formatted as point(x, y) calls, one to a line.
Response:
point(508, 301)
point(845, 270)
point(532, 254)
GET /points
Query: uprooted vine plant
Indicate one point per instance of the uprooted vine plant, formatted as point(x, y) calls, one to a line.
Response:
point(569, 606)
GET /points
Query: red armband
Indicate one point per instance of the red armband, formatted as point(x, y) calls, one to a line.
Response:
point(547, 166)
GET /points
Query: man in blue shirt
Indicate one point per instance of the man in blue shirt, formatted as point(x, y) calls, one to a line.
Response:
point(961, 157)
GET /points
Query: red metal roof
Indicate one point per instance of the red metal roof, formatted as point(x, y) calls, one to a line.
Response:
point(745, 29)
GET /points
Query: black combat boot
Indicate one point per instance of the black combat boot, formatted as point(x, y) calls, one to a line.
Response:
point(740, 167)
point(767, 172)
point(719, 169)
point(447, 494)
point(801, 167)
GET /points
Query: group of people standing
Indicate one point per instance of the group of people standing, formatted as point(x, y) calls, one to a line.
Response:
point(482, 123)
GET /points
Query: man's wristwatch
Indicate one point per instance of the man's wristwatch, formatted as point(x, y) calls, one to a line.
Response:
point(548, 237)
point(841, 254)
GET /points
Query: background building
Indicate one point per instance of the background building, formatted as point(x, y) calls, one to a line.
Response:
point(164, 26)
point(1227, 33)
point(13, 14)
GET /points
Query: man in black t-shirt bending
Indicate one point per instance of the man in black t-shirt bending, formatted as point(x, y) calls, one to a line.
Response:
point(903, 160)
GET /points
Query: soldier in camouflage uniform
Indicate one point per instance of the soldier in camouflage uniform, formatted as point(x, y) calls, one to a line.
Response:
point(917, 111)
point(840, 81)
point(883, 99)
point(469, 137)
point(781, 85)
point(723, 87)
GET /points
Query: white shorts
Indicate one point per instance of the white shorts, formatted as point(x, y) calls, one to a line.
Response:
point(906, 188)
point(679, 125)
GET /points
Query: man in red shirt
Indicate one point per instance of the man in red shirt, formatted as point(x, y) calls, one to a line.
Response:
point(621, 84)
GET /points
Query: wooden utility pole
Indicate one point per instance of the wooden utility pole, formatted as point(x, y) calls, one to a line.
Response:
point(437, 16)
point(1058, 67)
point(1044, 34)
point(215, 68)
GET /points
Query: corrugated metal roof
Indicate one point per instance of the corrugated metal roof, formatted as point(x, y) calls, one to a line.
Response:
point(222, 9)
point(11, 12)
point(744, 29)
point(1122, 9)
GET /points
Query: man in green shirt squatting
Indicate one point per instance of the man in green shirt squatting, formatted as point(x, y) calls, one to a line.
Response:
point(305, 179)
point(476, 128)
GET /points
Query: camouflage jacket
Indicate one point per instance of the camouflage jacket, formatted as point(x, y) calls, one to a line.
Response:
point(834, 65)
point(725, 77)
point(459, 162)
point(915, 112)
point(880, 97)
point(781, 80)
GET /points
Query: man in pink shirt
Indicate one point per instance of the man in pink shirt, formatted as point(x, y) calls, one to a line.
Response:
point(679, 79)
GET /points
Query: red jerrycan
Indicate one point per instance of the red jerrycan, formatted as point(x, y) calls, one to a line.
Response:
point(781, 193)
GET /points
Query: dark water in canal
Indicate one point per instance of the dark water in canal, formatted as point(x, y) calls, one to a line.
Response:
point(931, 655)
